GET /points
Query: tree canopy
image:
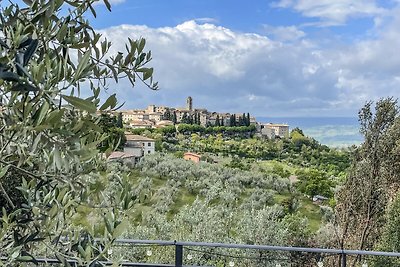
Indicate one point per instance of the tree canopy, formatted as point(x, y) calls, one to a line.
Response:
point(53, 67)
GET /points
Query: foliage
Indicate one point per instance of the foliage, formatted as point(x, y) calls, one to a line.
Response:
point(181, 200)
point(50, 133)
point(12, 197)
point(299, 236)
point(226, 130)
point(363, 199)
point(116, 139)
point(333, 161)
point(390, 239)
point(298, 139)
point(298, 130)
point(217, 213)
point(238, 163)
point(313, 182)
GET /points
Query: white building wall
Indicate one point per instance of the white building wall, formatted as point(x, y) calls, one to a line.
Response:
point(268, 132)
point(140, 148)
point(136, 151)
point(149, 147)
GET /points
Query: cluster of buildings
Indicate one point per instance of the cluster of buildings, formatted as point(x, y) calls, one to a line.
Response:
point(153, 116)
point(159, 116)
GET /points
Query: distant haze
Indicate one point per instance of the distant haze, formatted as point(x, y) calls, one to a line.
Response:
point(331, 131)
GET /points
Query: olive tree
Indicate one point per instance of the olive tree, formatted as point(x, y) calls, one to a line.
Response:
point(53, 68)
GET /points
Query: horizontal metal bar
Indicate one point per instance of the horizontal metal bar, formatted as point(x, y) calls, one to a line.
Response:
point(145, 242)
point(107, 263)
point(259, 247)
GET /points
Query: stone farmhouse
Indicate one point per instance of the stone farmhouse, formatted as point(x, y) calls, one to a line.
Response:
point(135, 148)
point(192, 156)
point(138, 145)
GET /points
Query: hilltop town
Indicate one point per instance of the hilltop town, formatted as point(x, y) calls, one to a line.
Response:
point(161, 116)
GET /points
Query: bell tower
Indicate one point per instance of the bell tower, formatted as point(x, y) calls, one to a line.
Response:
point(189, 103)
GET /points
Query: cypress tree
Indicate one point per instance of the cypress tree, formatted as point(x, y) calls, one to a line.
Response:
point(184, 118)
point(167, 115)
point(248, 119)
point(120, 124)
point(174, 120)
point(217, 121)
point(190, 119)
point(240, 121)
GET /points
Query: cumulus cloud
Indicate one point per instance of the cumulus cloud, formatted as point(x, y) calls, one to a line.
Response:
point(224, 70)
point(332, 12)
point(206, 20)
point(370, 69)
point(284, 33)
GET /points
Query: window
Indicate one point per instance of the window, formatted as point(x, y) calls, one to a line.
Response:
point(148, 152)
point(148, 144)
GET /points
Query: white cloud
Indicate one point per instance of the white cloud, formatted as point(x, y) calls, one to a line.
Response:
point(284, 33)
point(332, 12)
point(224, 70)
point(206, 20)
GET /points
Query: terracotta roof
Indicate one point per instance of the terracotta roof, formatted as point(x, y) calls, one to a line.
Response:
point(192, 154)
point(134, 137)
point(165, 122)
point(120, 155)
point(139, 122)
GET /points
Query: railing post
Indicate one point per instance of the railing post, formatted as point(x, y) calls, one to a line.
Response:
point(343, 259)
point(178, 255)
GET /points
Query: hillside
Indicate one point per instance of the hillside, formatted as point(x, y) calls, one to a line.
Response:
point(175, 199)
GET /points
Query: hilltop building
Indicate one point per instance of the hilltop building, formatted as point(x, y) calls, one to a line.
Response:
point(268, 132)
point(273, 130)
point(160, 116)
point(155, 116)
point(189, 103)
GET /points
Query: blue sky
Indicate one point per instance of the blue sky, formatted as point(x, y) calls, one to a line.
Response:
point(270, 58)
point(248, 16)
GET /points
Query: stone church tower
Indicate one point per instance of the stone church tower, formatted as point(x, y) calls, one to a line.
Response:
point(189, 103)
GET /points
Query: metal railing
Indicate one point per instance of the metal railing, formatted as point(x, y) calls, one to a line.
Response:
point(180, 246)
